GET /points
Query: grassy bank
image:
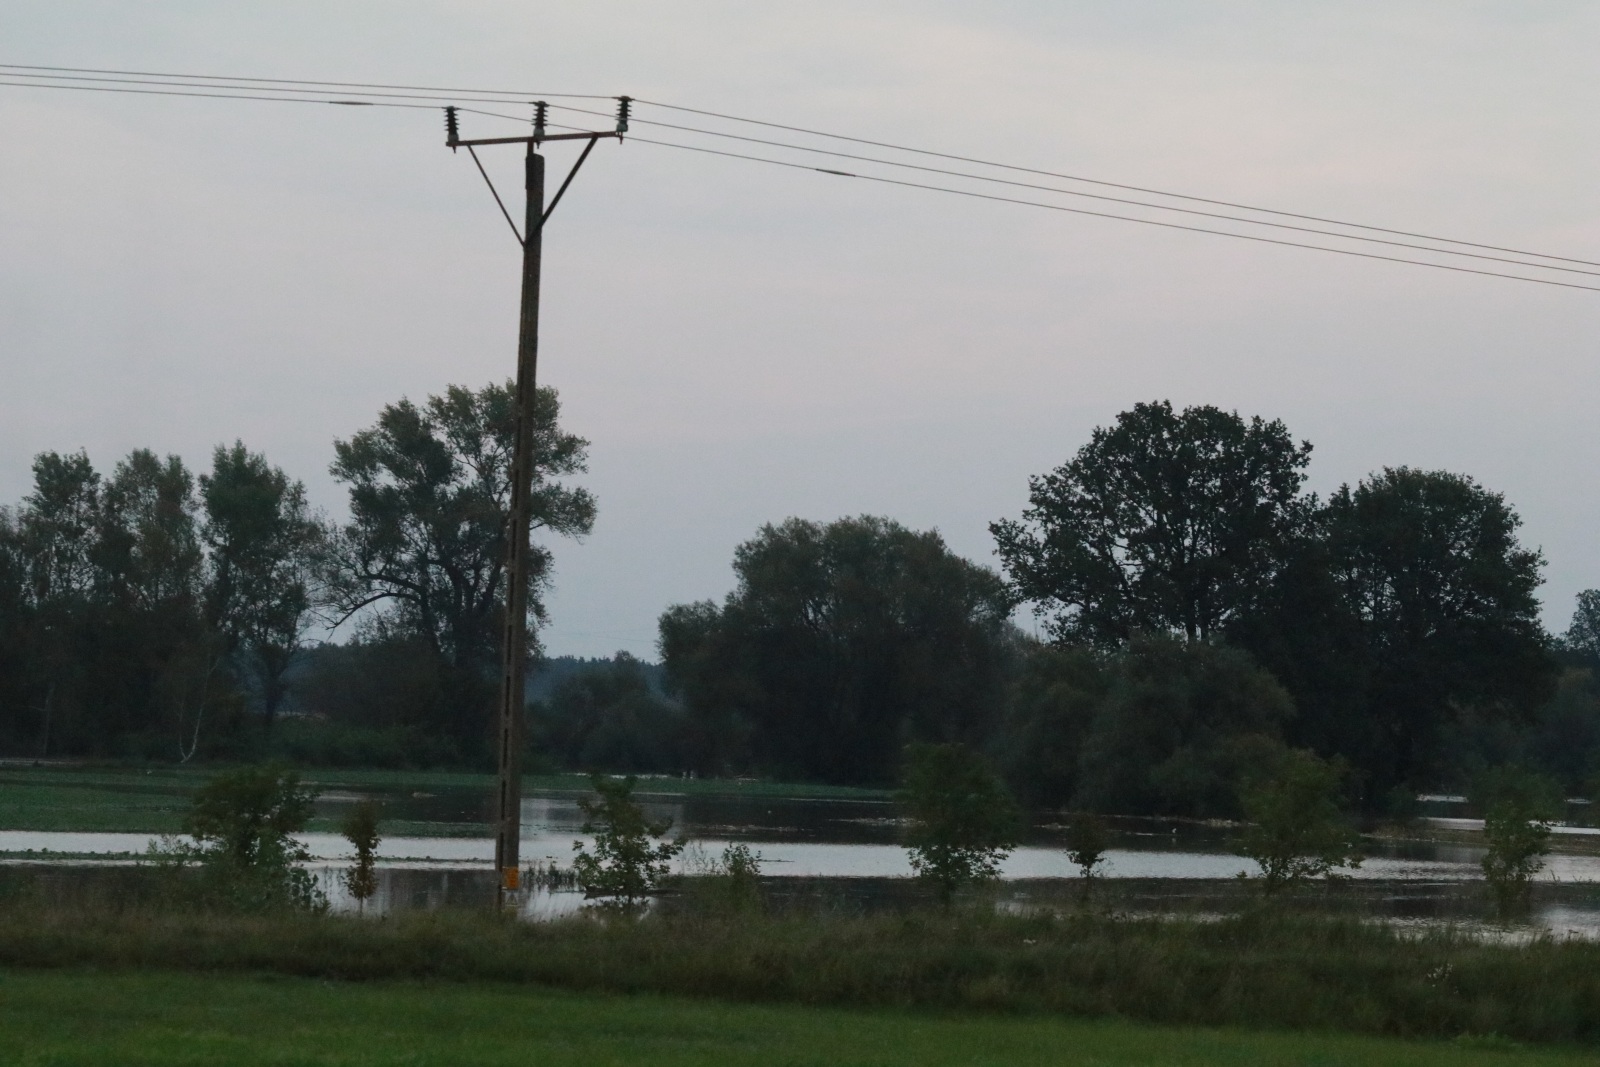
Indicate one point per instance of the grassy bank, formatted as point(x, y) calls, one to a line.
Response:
point(155, 799)
point(73, 1017)
point(1257, 970)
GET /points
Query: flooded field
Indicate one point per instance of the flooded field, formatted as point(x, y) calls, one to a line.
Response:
point(846, 853)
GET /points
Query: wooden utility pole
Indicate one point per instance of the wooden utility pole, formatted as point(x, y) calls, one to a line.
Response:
point(514, 634)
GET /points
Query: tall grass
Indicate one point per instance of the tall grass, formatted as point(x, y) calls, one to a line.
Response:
point(1263, 969)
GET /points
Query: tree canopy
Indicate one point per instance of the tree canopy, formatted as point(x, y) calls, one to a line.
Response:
point(1165, 522)
point(840, 643)
point(430, 490)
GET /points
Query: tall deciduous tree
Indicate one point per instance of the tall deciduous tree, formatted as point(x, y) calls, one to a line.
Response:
point(1165, 522)
point(1429, 565)
point(149, 560)
point(264, 545)
point(52, 541)
point(429, 495)
point(840, 643)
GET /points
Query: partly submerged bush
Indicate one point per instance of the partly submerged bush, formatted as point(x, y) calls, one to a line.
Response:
point(1297, 829)
point(963, 821)
point(627, 864)
point(241, 853)
point(1518, 808)
point(361, 830)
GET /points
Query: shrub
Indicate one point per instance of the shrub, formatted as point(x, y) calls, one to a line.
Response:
point(1518, 808)
point(963, 821)
point(361, 830)
point(1297, 830)
point(241, 825)
point(625, 866)
point(1087, 841)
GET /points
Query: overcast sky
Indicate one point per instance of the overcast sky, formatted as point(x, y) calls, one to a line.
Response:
point(743, 343)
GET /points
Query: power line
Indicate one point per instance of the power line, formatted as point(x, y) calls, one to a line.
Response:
point(1103, 197)
point(212, 96)
point(304, 81)
point(55, 79)
point(1110, 184)
point(363, 94)
point(457, 93)
point(1120, 218)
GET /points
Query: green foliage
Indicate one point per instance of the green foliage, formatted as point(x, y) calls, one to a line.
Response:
point(963, 822)
point(361, 830)
point(627, 865)
point(1582, 638)
point(1444, 596)
point(841, 642)
point(1297, 830)
point(1161, 727)
point(607, 717)
point(1518, 809)
point(1267, 970)
point(242, 824)
point(1167, 522)
point(729, 884)
point(1088, 839)
point(429, 493)
point(264, 546)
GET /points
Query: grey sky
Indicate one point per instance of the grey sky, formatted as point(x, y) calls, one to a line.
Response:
point(743, 343)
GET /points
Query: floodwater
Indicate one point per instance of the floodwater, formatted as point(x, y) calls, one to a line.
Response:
point(848, 848)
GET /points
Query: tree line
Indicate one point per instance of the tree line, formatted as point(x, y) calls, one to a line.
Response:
point(1200, 612)
point(151, 612)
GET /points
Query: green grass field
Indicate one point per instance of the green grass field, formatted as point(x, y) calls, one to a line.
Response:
point(155, 800)
point(70, 1017)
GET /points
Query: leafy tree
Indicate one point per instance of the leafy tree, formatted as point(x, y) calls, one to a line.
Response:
point(1088, 839)
point(1055, 697)
point(1297, 831)
point(840, 642)
point(155, 663)
point(626, 865)
point(1518, 810)
point(264, 545)
point(1166, 522)
point(242, 824)
point(1442, 594)
point(963, 820)
point(361, 830)
point(607, 717)
point(429, 494)
point(1582, 638)
point(1177, 726)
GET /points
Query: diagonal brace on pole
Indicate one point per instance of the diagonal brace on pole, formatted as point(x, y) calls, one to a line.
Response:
point(571, 174)
point(514, 231)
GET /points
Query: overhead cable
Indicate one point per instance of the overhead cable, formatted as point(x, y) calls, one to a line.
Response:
point(1104, 197)
point(1111, 184)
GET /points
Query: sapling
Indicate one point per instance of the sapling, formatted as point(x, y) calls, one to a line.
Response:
point(963, 820)
point(626, 866)
point(361, 830)
point(1087, 842)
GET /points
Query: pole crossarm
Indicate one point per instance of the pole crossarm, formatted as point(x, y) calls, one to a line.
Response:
point(532, 140)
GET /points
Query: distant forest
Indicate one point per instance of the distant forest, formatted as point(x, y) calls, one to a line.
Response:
point(1200, 613)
